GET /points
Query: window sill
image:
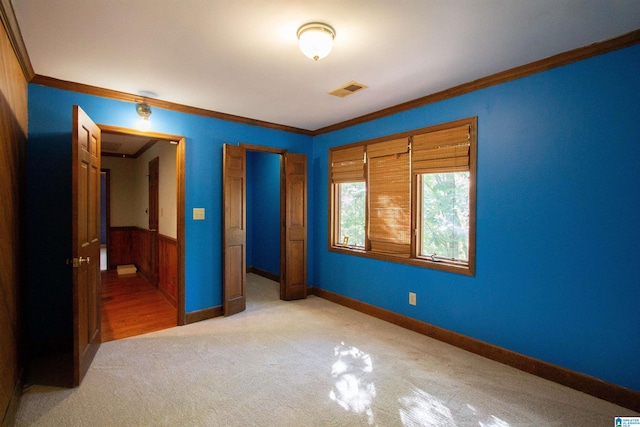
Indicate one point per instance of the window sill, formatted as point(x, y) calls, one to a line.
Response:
point(450, 267)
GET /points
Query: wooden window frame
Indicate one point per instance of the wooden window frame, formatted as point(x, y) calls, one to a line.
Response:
point(464, 268)
point(337, 236)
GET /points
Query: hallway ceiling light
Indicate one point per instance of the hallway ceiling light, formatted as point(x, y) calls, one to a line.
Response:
point(144, 111)
point(316, 40)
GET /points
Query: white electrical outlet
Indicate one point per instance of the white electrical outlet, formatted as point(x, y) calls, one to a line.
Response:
point(412, 298)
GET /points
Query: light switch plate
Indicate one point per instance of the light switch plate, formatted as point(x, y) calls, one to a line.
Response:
point(198, 213)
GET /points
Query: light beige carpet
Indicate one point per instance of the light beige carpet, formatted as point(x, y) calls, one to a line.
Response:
point(303, 363)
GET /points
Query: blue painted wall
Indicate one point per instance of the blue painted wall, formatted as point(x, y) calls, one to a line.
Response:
point(263, 211)
point(557, 214)
point(557, 220)
point(49, 201)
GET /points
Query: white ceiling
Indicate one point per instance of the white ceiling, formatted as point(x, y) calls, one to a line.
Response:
point(123, 144)
point(241, 56)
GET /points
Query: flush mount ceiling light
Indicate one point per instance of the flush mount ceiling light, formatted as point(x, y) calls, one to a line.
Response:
point(144, 111)
point(316, 39)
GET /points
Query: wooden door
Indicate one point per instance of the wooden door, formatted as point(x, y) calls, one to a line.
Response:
point(234, 189)
point(85, 188)
point(154, 174)
point(293, 259)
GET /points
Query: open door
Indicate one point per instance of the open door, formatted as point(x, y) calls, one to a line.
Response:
point(85, 254)
point(234, 189)
point(293, 260)
point(293, 235)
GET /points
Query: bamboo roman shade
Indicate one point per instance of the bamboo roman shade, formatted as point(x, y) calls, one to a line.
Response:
point(441, 151)
point(389, 187)
point(386, 186)
point(347, 165)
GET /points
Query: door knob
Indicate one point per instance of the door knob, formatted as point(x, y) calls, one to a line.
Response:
point(152, 229)
point(76, 262)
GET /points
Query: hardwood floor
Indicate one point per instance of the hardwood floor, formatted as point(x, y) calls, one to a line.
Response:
point(131, 306)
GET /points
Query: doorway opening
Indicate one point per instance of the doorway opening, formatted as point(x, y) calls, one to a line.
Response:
point(293, 225)
point(142, 286)
point(263, 226)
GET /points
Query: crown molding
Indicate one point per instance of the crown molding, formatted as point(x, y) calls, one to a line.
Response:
point(8, 17)
point(158, 103)
point(559, 60)
point(565, 58)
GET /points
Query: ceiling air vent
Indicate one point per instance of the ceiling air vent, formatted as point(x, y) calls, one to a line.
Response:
point(347, 89)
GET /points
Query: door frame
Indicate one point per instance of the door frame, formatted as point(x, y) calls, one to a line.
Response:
point(154, 217)
point(107, 205)
point(281, 152)
point(234, 229)
point(180, 201)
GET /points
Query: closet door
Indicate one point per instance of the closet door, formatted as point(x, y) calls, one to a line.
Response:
point(235, 229)
point(293, 269)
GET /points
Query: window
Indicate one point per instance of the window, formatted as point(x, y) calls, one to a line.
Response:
point(351, 202)
point(444, 219)
point(408, 198)
point(348, 197)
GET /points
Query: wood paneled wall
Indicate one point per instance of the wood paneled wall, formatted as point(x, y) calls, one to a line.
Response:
point(168, 268)
point(140, 251)
point(131, 245)
point(13, 131)
point(120, 246)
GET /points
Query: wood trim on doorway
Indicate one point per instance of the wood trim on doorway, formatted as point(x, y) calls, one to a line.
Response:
point(281, 152)
point(180, 184)
point(180, 200)
point(261, 148)
point(107, 204)
point(153, 216)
